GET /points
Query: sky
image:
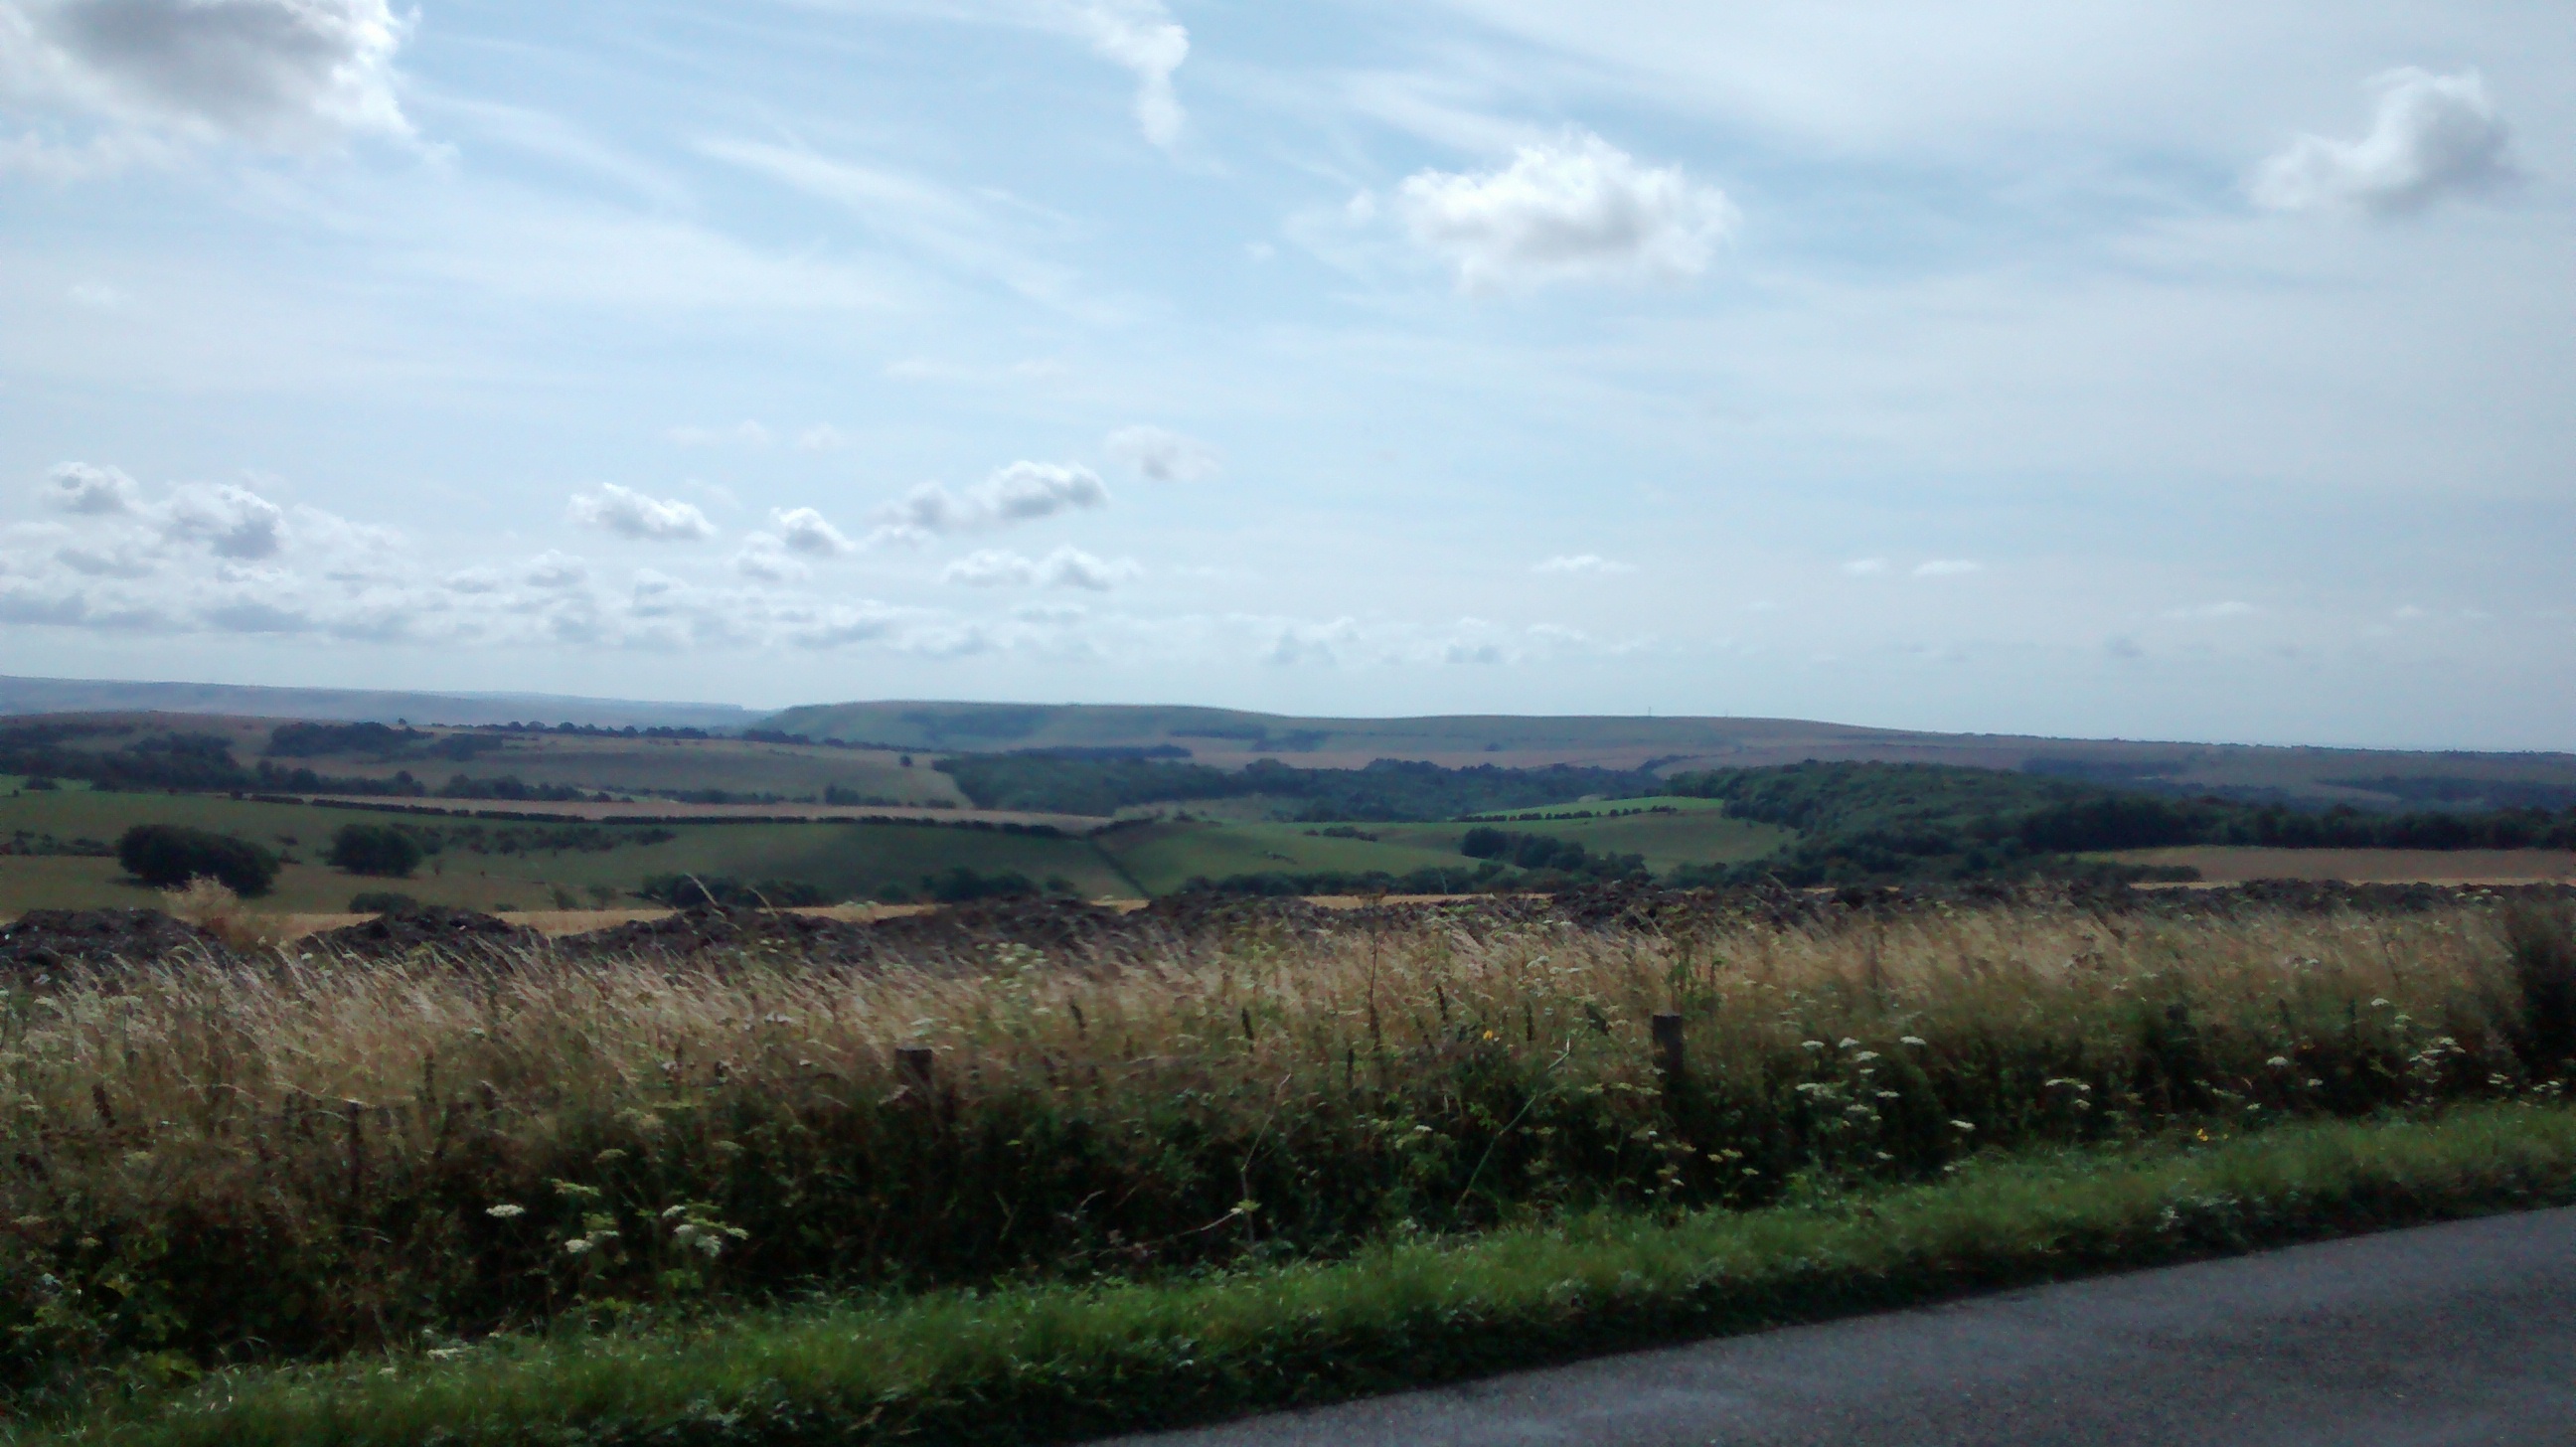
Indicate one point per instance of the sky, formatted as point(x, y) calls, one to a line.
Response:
point(2175, 370)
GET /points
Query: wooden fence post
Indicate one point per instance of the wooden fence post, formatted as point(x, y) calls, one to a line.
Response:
point(915, 1065)
point(1671, 1057)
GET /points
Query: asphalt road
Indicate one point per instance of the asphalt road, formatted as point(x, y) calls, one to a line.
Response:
point(2447, 1335)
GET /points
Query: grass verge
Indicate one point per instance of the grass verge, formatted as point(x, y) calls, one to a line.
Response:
point(1057, 1363)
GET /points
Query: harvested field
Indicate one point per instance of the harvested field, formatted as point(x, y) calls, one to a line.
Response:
point(2221, 865)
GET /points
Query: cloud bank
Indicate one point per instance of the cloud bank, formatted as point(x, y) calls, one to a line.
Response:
point(2434, 136)
point(1574, 208)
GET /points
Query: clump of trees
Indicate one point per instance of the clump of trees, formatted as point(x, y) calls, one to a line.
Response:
point(168, 856)
point(690, 891)
point(1546, 853)
point(377, 849)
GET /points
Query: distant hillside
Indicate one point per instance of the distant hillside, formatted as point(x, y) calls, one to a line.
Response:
point(345, 705)
point(1226, 738)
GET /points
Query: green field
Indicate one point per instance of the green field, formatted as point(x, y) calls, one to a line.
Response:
point(595, 763)
point(846, 860)
point(1163, 856)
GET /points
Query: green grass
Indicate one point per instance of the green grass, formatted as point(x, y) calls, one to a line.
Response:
point(849, 860)
point(1162, 857)
point(1054, 1363)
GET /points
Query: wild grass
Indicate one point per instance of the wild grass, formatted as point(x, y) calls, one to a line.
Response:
point(319, 1156)
point(1055, 1362)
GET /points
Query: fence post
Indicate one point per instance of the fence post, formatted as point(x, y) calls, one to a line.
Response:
point(915, 1064)
point(1671, 1057)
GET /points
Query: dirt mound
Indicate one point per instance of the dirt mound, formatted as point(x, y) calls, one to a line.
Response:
point(715, 930)
point(399, 932)
point(46, 940)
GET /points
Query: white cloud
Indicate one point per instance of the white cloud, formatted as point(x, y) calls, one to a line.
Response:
point(233, 522)
point(1020, 492)
point(804, 530)
point(293, 75)
point(765, 558)
point(1164, 455)
point(749, 434)
point(1865, 567)
point(2435, 135)
point(1574, 208)
point(822, 437)
point(630, 514)
point(1592, 563)
point(79, 487)
point(1141, 37)
point(552, 569)
point(1066, 567)
point(1948, 568)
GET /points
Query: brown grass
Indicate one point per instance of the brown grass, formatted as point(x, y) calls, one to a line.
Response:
point(320, 1153)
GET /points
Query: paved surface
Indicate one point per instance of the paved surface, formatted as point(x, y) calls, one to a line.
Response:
point(2447, 1335)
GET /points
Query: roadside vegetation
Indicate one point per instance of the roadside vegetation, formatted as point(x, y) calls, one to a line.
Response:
point(332, 1159)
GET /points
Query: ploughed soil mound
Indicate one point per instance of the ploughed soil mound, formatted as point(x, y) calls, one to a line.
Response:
point(427, 927)
point(958, 938)
point(45, 940)
point(709, 929)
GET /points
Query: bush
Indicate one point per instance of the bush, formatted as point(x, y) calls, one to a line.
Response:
point(378, 849)
point(167, 856)
point(689, 891)
point(382, 901)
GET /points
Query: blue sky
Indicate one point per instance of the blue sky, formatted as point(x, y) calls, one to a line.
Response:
point(2175, 370)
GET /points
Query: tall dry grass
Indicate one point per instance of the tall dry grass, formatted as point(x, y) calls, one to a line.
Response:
point(320, 1154)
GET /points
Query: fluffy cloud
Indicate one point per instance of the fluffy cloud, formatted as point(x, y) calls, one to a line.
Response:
point(1141, 37)
point(1592, 563)
point(233, 522)
point(79, 487)
point(765, 558)
point(1948, 568)
point(1575, 208)
point(2435, 136)
point(552, 569)
point(630, 514)
point(284, 74)
point(1021, 492)
point(1164, 455)
point(1066, 567)
point(803, 530)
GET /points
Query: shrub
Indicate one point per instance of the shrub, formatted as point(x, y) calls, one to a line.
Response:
point(382, 901)
point(961, 884)
point(167, 856)
point(378, 849)
point(688, 891)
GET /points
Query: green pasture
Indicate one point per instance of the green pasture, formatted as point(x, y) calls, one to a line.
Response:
point(738, 766)
point(845, 860)
point(1163, 856)
point(1699, 832)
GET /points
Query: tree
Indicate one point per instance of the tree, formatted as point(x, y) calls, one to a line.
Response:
point(377, 849)
point(167, 856)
